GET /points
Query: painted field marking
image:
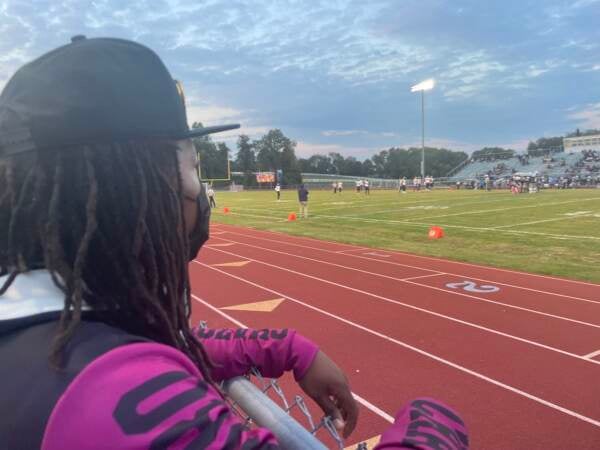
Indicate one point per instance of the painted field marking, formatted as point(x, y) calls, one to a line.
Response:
point(427, 311)
point(592, 355)
point(423, 276)
point(264, 306)
point(370, 406)
point(536, 222)
point(496, 302)
point(232, 264)
point(377, 254)
point(221, 244)
point(536, 205)
point(577, 213)
point(455, 205)
point(435, 259)
point(439, 359)
point(462, 227)
point(470, 286)
point(352, 249)
point(394, 202)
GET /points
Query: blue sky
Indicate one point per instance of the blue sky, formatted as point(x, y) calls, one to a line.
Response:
point(335, 75)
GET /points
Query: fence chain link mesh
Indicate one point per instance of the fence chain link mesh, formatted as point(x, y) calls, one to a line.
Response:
point(268, 384)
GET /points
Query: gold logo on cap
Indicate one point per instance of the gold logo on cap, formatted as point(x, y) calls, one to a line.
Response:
point(179, 87)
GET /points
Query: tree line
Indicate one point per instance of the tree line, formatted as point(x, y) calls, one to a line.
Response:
point(274, 151)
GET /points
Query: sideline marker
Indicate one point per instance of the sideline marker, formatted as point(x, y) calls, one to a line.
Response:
point(436, 233)
point(225, 210)
point(291, 217)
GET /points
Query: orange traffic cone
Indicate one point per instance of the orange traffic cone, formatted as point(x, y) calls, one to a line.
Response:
point(226, 210)
point(291, 217)
point(436, 233)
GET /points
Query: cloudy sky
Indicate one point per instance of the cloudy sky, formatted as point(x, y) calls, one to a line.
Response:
point(335, 75)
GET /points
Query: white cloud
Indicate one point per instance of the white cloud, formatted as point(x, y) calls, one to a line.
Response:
point(469, 75)
point(450, 144)
point(305, 149)
point(588, 117)
point(343, 132)
point(518, 144)
point(212, 113)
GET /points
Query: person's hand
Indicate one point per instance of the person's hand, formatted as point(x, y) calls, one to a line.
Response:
point(327, 385)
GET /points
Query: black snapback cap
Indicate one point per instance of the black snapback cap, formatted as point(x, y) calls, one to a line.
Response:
point(93, 91)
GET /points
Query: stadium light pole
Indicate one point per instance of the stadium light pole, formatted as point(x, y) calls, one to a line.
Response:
point(423, 86)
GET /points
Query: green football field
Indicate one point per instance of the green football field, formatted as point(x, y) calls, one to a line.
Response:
point(553, 232)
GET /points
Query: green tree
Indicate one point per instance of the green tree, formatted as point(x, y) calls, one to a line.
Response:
point(337, 162)
point(493, 153)
point(290, 166)
point(380, 162)
point(275, 151)
point(318, 164)
point(368, 168)
point(578, 132)
point(245, 160)
point(352, 166)
point(545, 145)
point(213, 157)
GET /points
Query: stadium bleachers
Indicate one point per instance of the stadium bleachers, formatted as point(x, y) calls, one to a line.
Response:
point(505, 167)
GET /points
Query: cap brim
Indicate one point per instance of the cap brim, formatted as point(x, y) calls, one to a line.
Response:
point(197, 132)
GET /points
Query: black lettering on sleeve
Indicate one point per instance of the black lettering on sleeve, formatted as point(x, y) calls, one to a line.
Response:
point(170, 436)
point(224, 335)
point(205, 333)
point(131, 422)
point(279, 334)
point(240, 333)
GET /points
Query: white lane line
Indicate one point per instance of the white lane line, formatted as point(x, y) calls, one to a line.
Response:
point(370, 406)
point(540, 221)
point(483, 211)
point(353, 250)
point(378, 254)
point(394, 263)
point(439, 359)
point(422, 276)
point(462, 227)
point(218, 311)
point(428, 208)
point(411, 255)
point(407, 280)
point(592, 355)
point(416, 308)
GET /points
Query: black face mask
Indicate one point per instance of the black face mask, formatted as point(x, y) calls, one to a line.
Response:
point(199, 234)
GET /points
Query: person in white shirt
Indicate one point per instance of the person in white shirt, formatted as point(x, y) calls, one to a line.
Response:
point(366, 185)
point(211, 197)
point(340, 186)
point(278, 191)
point(403, 185)
point(334, 186)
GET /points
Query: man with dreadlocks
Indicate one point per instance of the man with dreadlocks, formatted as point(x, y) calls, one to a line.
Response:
point(101, 209)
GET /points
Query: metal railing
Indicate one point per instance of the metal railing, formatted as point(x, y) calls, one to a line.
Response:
point(251, 402)
point(254, 406)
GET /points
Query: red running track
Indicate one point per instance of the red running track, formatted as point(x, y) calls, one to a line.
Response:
point(513, 352)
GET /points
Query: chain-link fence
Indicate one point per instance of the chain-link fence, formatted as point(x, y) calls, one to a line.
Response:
point(262, 402)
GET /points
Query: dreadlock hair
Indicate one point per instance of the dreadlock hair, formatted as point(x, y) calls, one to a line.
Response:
point(107, 222)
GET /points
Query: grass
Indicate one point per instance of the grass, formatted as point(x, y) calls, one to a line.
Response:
point(552, 232)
